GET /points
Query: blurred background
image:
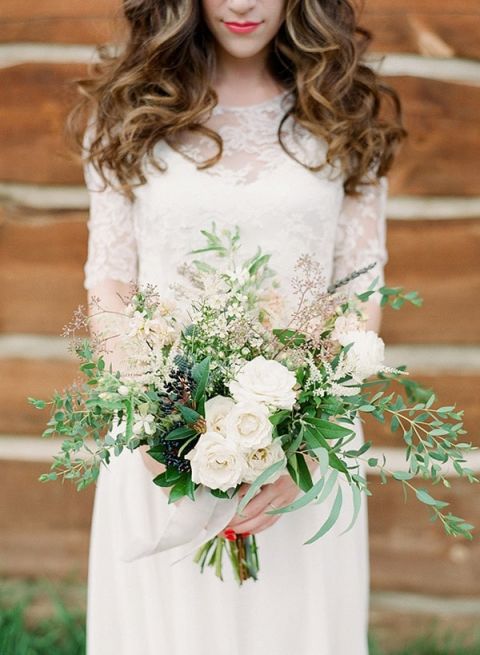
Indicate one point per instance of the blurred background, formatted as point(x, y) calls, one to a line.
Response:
point(420, 577)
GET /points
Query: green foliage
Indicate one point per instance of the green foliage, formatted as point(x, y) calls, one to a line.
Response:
point(104, 416)
point(62, 633)
point(434, 642)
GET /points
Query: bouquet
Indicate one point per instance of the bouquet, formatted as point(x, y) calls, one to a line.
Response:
point(227, 388)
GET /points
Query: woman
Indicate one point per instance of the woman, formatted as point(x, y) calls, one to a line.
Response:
point(274, 127)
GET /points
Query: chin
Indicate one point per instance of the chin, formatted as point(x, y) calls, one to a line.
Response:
point(242, 48)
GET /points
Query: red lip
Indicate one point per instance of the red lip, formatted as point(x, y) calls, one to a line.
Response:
point(240, 24)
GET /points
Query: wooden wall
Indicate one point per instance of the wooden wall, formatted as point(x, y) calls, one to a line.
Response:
point(432, 56)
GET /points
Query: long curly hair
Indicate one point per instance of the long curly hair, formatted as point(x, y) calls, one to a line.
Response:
point(156, 82)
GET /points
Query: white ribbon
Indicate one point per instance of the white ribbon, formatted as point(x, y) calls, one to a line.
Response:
point(147, 524)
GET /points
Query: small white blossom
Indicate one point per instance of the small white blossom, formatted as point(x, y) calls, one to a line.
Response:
point(143, 424)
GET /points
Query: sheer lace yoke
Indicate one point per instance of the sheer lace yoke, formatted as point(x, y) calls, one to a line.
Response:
point(251, 148)
point(279, 205)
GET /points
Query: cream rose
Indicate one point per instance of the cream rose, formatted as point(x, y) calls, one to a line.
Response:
point(259, 460)
point(264, 381)
point(366, 356)
point(248, 424)
point(216, 462)
point(216, 409)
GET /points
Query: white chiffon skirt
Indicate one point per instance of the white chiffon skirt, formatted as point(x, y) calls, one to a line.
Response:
point(308, 600)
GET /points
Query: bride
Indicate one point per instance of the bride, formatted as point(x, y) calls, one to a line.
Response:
point(252, 113)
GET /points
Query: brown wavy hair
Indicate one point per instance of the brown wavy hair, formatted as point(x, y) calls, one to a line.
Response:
point(157, 83)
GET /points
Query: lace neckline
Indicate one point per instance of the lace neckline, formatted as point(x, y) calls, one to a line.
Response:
point(271, 102)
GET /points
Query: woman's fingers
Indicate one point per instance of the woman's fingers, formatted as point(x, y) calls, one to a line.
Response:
point(259, 503)
point(257, 525)
point(254, 525)
point(253, 521)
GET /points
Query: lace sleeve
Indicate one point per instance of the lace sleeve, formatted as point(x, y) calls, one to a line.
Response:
point(112, 248)
point(361, 238)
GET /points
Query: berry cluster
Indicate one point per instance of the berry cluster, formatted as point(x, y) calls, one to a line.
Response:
point(172, 458)
point(179, 388)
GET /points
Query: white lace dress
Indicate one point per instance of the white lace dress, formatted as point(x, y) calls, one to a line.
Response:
point(309, 600)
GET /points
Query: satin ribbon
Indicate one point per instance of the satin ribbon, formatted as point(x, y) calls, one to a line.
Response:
point(147, 524)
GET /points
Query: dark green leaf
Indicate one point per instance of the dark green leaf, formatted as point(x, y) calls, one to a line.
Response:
point(200, 374)
point(182, 432)
point(279, 416)
point(328, 429)
point(188, 414)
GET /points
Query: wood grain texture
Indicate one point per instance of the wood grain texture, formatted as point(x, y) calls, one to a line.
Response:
point(408, 553)
point(439, 259)
point(44, 527)
point(32, 121)
point(41, 272)
point(54, 21)
point(440, 157)
point(426, 27)
point(22, 378)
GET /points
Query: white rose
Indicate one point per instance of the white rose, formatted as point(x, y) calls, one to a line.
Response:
point(216, 409)
point(248, 424)
point(216, 462)
point(367, 354)
point(259, 460)
point(264, 381)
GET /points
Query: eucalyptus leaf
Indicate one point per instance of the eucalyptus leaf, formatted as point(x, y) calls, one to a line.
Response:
point(332, 518)
point(300, 502)
point(257, 483)
point(357, 501)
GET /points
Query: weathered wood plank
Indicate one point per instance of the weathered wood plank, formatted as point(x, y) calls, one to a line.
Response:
point(33, 143)
point(60, 22)
point(441, 154)
point(439, 259)
point(35, 378)
point(408, 553)
point(41, 272)
point(44, 530)
point(440, 157)
point(426, 27)
point(41, 275)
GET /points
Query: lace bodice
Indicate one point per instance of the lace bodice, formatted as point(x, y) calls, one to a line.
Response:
point(276, 202)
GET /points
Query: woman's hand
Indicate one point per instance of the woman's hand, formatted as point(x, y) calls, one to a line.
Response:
point(278, 494)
